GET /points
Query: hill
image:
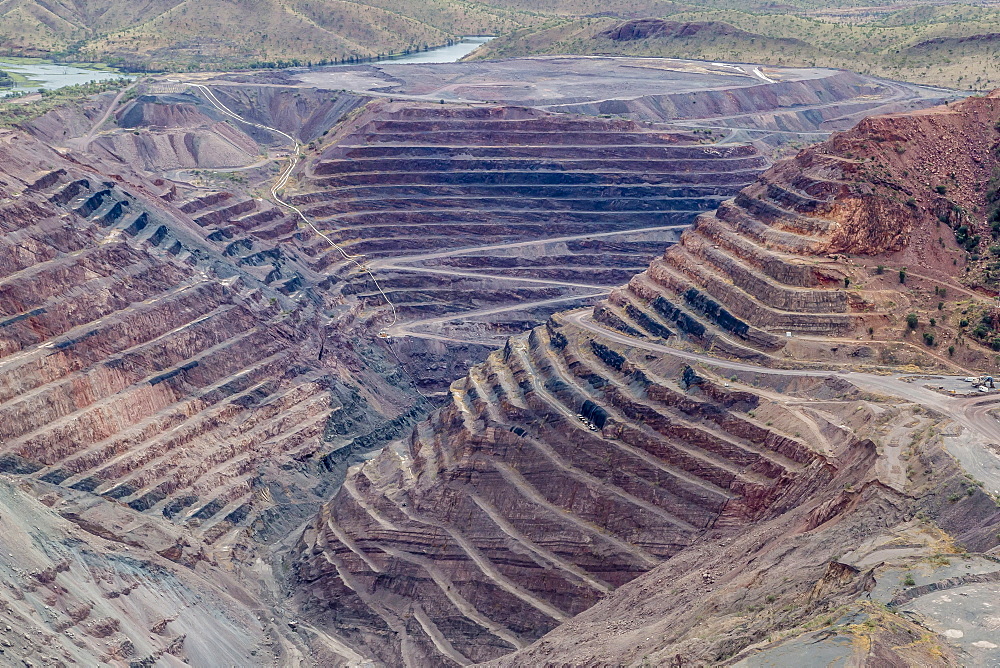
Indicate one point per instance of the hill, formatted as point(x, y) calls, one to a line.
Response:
point(177, 34)
point(951, 45)
point(943, 46)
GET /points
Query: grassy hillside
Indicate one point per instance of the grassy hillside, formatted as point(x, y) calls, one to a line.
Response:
point(948, 45)
point(179, 34)
point(955, 46)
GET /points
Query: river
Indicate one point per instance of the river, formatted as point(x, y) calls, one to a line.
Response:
point(441, 54)
point(41, 74)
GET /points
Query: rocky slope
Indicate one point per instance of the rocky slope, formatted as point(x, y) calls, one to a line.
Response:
point(804, 250)
point(164, 397)
point(586, 465)
point(774, 105)
point(178, 359)
point(186, 371)
point(479, 220)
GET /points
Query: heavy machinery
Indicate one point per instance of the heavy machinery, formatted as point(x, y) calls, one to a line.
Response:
point(982, 383)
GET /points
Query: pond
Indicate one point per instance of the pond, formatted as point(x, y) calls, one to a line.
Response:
point(441, 54)
point(38, 74)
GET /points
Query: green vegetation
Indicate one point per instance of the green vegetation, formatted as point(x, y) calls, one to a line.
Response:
point(965, 238)
point(951, 45)
point(265, 33)
point(13, 112)
point(911, 320)
point(993, 203)
point(987, 329)
point(6, 81)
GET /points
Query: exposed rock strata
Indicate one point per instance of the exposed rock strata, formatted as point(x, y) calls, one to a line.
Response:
point(772, 260)
point(571, 464)
point(140, 364)
point(177, 361)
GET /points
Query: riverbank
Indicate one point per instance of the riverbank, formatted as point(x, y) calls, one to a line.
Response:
point(448, 53)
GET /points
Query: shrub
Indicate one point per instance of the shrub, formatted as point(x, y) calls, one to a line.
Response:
point(911, 320)
point(928, 338)
point(940, 190)
point(951, 351)
point(909, 581)
point(902, 275)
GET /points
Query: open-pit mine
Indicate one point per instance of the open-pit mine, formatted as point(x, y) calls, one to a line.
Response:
point(547, 361)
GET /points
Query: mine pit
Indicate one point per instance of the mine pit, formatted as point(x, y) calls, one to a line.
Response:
point(530, 390)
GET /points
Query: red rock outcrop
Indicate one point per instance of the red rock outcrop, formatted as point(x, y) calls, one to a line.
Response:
point(784, 254)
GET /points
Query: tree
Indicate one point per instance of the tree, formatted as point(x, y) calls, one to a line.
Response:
point(902, 275)
point(911, 320)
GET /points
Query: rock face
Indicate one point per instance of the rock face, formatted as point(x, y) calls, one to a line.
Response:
point(141, 364)
point(772, 260)
point(479, 219)
point(508, 513)
point(573, 462)
point(186, 371)
point(565, 467)
point(71, 596)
